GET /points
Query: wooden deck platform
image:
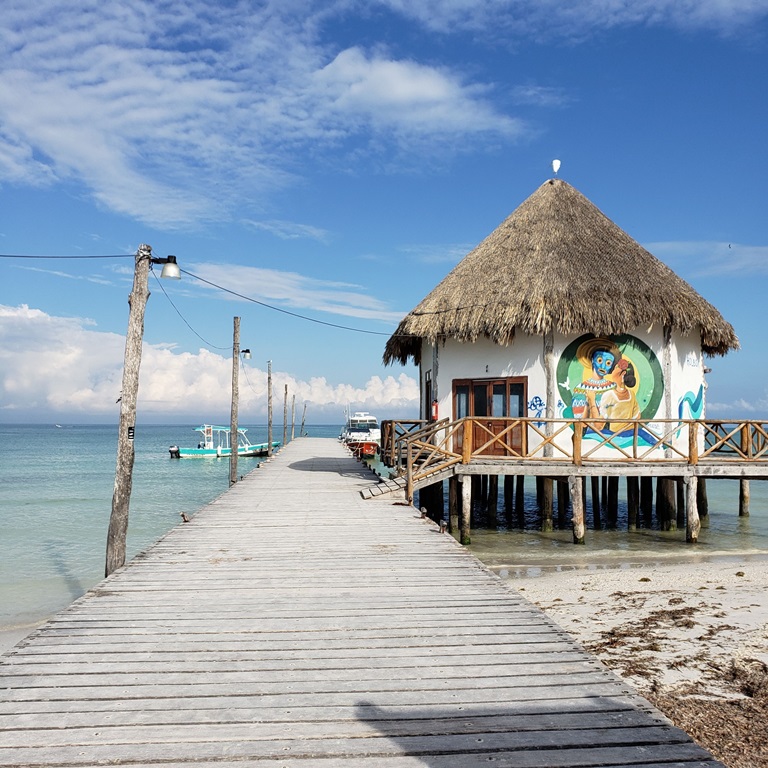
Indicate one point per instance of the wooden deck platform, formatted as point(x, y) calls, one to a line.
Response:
point(294, 624)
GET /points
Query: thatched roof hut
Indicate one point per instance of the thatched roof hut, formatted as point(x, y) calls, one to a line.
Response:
point(557, 264)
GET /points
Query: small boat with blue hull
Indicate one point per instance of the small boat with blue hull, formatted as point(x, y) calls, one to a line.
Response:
point(215, 443)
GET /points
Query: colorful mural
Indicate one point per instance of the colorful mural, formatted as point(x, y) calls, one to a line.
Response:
point(610, 380)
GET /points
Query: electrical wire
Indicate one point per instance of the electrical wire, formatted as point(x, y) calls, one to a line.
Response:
point(284, 311)
point(183, 319)
point(108, 256)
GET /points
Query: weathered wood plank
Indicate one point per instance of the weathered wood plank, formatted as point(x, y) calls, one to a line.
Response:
point(293, 623)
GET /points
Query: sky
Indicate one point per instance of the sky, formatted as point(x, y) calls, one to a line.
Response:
point(328, 163)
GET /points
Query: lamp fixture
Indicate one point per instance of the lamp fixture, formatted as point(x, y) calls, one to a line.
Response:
point(170, 267)
point(246, 353)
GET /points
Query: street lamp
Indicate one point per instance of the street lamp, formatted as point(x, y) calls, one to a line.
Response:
point(137, 302)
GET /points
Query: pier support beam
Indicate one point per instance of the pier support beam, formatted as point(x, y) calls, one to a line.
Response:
point(577, 504)
point(466, 509)
point(692, 526)
point(743, 498)
point(453, 506)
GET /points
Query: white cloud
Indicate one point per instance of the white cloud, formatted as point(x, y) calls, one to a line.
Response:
point(153, 106)
point(54, 368)
point(575, 18)
point(289, 230)
point(296, 291)
point(705, 258)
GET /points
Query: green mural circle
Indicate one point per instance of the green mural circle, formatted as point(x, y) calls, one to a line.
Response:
point(572, 369)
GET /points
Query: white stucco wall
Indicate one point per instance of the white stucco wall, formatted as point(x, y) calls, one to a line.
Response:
point(681, 370)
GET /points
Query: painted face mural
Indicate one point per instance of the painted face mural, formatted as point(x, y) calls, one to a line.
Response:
point(610, 380)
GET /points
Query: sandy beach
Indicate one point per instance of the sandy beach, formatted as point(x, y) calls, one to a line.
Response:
point(692, 637)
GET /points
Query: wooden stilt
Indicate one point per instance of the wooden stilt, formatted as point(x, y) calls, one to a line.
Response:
point(681, 503)
point(575, 485)
point(453, 506)
point(693, 526)
point(509, 496)
point(520, 500)
point(702, 502)
point(493, 500)
point(646, 500)
point(633, 502)
point(613, 502)
point(466, 509)
point(604, 491)
point(743, 498)
point(665, 503)
point(562, 503)
point(546, 503)
point(596, 516)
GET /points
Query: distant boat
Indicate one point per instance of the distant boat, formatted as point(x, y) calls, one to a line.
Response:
point(58, 426)
point(361, 434)
point(215, 444)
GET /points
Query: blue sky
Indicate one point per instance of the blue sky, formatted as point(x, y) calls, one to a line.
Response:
point(335, 159)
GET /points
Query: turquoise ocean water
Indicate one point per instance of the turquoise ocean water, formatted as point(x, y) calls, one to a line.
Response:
point(56, 497)
point(56, 494)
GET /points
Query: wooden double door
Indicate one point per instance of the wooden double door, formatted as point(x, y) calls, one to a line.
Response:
point(486, 399)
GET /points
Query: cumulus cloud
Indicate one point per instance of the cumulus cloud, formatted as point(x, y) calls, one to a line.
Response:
point(54, 368)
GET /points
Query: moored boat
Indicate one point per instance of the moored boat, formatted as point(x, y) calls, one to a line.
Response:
point(215, 443)
point(361, 434)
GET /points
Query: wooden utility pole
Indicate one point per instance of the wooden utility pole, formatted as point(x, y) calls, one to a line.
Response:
point(293, 416)
point(303, 419)
point(118, 520)
point(233, 441)
point(285, 416)
point(269, 407)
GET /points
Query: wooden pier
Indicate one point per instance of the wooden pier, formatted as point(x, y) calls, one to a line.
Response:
point(293, 624)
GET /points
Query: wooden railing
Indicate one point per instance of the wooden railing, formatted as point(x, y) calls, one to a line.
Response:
point(392, 444)
point(426, 448)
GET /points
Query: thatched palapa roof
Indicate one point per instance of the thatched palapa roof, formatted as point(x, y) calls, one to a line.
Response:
point(557, 264)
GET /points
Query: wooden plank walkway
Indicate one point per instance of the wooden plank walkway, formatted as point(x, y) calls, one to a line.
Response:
point(294, 624)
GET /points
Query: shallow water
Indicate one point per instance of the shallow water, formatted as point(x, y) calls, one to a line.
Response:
point(56, 489)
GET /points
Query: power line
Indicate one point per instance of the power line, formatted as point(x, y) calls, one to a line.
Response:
point(107, 256)
point(214, 285)
point(285, 311)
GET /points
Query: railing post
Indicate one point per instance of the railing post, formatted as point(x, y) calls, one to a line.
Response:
point(746, 443)
point(693, 442)
point(466, 442)
point(578, 433)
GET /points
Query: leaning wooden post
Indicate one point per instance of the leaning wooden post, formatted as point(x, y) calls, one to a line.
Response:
point(466, 509)
point(293, 417)
point(577, 505)
point(118, 520)
point(693, 526)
